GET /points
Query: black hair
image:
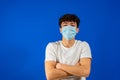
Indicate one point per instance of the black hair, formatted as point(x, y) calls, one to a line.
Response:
point(69, 17)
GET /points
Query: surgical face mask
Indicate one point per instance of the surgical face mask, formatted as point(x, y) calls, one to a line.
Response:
point(68, 32)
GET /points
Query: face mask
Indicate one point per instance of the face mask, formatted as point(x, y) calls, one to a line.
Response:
point(69, 32)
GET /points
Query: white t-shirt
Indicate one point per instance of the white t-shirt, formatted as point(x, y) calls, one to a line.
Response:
point(55, 51)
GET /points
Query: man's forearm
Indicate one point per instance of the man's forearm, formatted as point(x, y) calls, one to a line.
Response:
point(75, 70)
point(55, 74)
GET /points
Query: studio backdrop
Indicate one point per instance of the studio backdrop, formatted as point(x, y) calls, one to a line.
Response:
point(27, 26)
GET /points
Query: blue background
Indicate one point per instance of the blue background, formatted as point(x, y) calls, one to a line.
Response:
point(26, 27)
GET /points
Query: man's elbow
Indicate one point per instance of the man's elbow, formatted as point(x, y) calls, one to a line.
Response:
point(49, 76)
point(85, 73)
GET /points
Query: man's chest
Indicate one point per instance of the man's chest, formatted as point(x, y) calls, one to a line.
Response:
point(70, 56)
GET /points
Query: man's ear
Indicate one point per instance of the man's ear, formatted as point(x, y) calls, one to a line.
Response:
point(60, 30)
point(77, 29)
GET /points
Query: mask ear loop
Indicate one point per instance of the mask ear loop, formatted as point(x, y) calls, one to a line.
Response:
point(77, 30)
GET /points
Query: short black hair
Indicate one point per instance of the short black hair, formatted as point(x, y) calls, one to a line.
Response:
point(69, 17)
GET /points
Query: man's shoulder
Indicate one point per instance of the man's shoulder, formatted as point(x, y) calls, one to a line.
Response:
point(55, 43)
point(82, 42)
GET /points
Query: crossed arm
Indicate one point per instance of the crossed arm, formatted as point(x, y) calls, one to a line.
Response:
point(56, 71)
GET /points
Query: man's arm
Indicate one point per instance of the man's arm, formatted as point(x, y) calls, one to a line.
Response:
point(82, 70)
point(52, 73)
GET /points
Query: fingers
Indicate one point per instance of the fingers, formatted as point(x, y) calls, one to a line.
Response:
point(58, 66)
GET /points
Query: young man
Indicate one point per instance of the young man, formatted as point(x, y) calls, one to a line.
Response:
point(68, 59)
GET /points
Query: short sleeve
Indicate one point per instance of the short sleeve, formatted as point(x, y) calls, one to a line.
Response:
point(50, 53)
point(86, 52)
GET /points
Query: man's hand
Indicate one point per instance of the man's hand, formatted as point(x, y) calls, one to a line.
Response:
point(58, 65)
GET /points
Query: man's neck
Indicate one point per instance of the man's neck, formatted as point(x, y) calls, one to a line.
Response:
point(68, 43)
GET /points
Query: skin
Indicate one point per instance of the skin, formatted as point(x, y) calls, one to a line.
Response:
point(56, 71)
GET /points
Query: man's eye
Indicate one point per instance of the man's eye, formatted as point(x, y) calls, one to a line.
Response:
point(72, 25)
point(64, 25)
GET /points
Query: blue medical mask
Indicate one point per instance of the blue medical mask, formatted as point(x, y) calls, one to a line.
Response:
point(68, 32)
